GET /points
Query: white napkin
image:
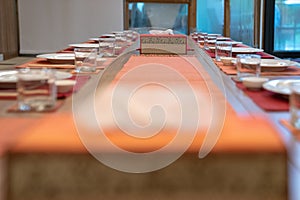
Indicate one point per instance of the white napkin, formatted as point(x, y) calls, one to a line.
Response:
point(161, 32)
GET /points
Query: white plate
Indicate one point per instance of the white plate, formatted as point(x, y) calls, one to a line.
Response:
point(224, 38)
point(10, 76)
point(107, 39)
point(232, 42)
point(211, 41)
point(275, 65)
point(85, 45)
point(117, 32)
point(223, 41)
point(57, 56)
point(278, 62)
point(279, 86)
point(213, 35)
point(94, 39)
point(109, 35)
point(246, 50)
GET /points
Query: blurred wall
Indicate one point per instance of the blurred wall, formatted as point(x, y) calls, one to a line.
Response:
point(50, 25)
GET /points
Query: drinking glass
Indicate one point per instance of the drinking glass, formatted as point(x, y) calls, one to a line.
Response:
point(36, 89)
point(222, 49)
point(85, 59)
point(248, 65)
point(295, 104)
point(107, 47)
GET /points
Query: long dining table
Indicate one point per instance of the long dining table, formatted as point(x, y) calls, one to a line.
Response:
point(150, 127)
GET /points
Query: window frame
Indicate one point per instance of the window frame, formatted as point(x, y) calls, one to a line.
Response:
point(192, 6)
point(269, 33)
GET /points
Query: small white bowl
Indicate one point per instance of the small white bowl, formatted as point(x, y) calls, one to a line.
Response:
point(64, 86)
point(254, 82)
point(226, 60)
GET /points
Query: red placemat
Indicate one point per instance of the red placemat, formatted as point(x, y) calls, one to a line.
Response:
point(210, 53)
point(266, 100)
point(67, 50)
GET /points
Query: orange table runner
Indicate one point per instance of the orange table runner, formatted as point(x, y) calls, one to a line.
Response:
point(57, 132)
point(12, 128)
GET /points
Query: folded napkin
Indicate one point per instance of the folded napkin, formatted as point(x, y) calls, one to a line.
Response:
point(161, 32)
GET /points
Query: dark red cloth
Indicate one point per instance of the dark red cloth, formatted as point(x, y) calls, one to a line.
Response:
point(80, 81)
point(266, 100)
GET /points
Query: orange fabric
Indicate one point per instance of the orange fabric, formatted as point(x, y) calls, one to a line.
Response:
point(11, 130)
point(57, 132)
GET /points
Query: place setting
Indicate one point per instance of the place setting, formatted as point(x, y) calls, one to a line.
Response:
point(38, 90)
point(51, 60)
point(65, 61)
point(268, 92)
point(269, 67)
point(209, 43)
